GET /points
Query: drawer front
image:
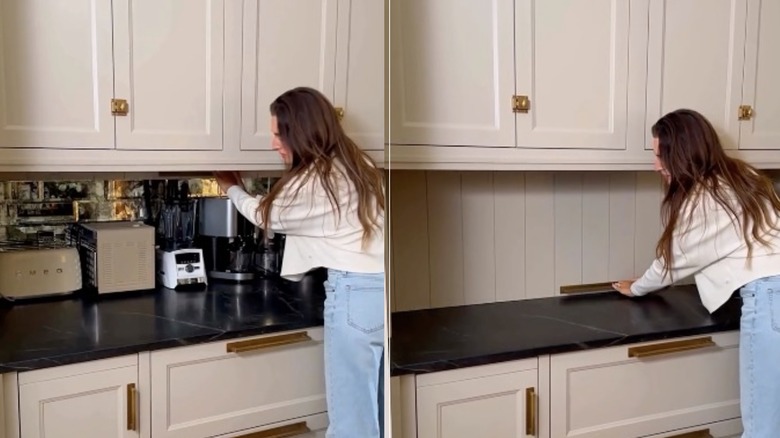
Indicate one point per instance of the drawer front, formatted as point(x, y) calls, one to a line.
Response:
point(224, 387)
point(313, 426)
point(721, 429)
point(645, 389)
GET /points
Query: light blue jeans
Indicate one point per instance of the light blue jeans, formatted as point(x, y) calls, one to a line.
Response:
point(354, 354)
point(759, 358)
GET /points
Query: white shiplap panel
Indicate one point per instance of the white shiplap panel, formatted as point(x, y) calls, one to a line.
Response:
point(532, 222)
point(595, 227)
point(539, 234)
point(648, 219)
point(622, 198)
point(509, 196)
point(445, 231)
point(479, 251)
point(568, 229)
point(409, 244)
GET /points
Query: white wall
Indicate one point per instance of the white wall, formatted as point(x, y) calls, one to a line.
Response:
point(476, 237)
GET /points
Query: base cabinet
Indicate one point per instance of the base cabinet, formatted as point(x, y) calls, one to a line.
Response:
point(496, 401)
point(212, 389)
point(677, 388)
point(94, 400)
point(645, 389)
point(262, 386)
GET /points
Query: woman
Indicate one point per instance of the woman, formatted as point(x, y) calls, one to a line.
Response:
point(721, 225)
point(330, 204)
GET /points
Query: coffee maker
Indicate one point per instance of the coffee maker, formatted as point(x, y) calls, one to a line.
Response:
point(228, 240)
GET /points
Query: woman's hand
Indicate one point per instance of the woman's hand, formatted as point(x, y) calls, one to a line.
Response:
point(226, 180)
point(624, 287)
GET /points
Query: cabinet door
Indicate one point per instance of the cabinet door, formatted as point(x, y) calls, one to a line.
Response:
point(360, 71)
point(452, 72)
point(695, 61)
point(761, 90)
point(56, 74)
point(623, 391)
point(169, 68)
point(572, 64)
point(287, 44)
point(88, 404)
point(497, 405)
point(249, 383)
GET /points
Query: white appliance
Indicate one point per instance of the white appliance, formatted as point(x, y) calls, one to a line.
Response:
point(28, 271)
point(181, 267)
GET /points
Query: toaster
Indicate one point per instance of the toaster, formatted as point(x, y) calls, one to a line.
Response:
point(117, 256)
point(32, 271)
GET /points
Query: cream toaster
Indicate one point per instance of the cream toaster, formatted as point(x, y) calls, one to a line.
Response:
point(34, 271)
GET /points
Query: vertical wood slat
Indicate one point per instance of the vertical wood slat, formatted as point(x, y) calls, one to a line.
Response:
point(479, 251)
point(568, 229)
point(539, 234)
point(509, 236)
point(496, 236)
point(649, 193)
point(595, 227)
point(622, 211)
point(410, 242)
point(445, 230)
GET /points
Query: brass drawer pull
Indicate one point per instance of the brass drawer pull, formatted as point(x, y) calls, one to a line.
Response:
point(671, 347)
point(584, 288)
point(132, 407)
point(281, 431)
point(271, 341)
point(705, 433)
point(530, 411)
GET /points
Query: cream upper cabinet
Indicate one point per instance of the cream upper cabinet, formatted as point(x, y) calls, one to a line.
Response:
point(695, 61)
point(286, 44)
point(722, 66)
point(56, 74)
point(360, 71)
point(169, 67)
point(571, 61)
point(760, 88)
point(532, 74)
point(452, 72)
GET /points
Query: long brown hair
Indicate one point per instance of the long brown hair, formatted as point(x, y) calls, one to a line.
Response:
point(309, 128)
point(693, 156)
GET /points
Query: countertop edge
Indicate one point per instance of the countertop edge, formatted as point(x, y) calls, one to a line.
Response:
point(92, 355)
point(438, 366)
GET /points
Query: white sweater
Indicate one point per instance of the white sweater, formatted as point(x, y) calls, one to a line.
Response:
point(316, 235)
point(713, 250)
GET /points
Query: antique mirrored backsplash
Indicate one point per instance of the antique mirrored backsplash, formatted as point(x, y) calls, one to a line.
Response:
point(31, 208)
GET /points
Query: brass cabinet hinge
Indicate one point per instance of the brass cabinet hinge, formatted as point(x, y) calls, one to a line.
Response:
point(340, 113)
point(745, 112)
point(520, 104)
point(119, 107)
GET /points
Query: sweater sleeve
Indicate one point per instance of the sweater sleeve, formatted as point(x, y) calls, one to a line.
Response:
point(694, 247)
point(299, 214)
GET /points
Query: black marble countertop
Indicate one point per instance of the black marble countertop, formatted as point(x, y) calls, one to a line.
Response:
point(65, 330)
point(425, 341)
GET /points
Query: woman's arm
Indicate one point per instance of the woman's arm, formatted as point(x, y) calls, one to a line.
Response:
point(694, 247)
point(305, 213)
